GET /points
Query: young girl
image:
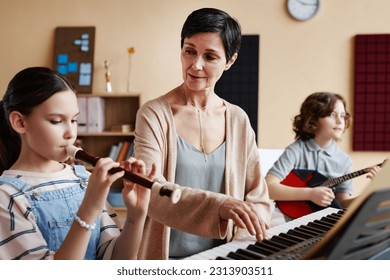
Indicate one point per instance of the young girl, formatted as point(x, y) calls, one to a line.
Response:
point(322, 121)
point(49, 209)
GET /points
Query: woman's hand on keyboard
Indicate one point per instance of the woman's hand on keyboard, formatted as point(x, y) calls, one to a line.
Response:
point(244, 215)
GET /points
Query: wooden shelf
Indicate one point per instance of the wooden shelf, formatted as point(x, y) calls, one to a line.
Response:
point(106, 134)
point(110, 95)
point(120, 108)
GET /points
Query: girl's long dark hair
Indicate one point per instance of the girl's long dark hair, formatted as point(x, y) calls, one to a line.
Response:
point(27, 89)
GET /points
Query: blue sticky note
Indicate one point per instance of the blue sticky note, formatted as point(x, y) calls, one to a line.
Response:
point(62, 69)
point(84, 48)
point(84, 80)
point(85, 68)
point(62, 59)
point(72, 67)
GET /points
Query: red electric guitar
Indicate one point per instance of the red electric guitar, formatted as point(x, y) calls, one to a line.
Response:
point(308, 178)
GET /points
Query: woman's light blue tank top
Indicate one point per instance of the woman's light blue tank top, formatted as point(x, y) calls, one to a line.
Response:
point(194, 169)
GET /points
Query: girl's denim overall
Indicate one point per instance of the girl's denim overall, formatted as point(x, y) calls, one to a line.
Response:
point(55, 210)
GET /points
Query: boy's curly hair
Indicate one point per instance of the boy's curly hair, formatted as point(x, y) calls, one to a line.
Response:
point(317, 105)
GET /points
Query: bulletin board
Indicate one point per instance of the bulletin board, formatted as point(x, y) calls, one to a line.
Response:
point(74, 54)
point(371, 117)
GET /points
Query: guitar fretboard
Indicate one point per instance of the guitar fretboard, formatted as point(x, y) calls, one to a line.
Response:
point(335, 181)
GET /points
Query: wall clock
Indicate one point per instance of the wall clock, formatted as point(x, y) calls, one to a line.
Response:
point(303, 9)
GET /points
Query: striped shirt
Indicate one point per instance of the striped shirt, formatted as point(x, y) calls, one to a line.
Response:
point(20, 237)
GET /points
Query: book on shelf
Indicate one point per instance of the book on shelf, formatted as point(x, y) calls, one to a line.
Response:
point(92, 112)
point(130, 151)
point(120, 151)
point(113, 152)
point(95, 114)
point(123, 151)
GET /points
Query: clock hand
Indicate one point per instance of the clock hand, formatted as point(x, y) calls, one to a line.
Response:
point(305, 3)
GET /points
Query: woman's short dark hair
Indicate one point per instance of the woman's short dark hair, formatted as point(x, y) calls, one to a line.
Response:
point(317, 105)
point(214, 20)
point(27, 89)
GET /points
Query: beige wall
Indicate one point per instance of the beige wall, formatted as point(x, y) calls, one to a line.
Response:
point(296, 58)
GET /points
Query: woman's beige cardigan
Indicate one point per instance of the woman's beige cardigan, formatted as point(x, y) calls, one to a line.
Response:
point(197, 210)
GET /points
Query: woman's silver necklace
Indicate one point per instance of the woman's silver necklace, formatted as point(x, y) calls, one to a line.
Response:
point(202, 148)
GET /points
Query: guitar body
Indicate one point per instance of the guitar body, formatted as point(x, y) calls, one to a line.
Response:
point(302, 179)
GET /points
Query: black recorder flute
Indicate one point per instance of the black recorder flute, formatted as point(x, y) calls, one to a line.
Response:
point(165, 190)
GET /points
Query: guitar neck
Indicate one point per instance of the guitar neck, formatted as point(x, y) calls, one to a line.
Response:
point(335, 181)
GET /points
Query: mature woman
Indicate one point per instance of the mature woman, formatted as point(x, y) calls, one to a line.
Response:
point(199, 140)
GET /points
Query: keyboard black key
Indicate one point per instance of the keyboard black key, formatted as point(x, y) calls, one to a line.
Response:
point(292, 237)
point(261, 249)
point(324, 223)
point(313, 229)
point(329, 220)
point(317, 226)
point(283, 240)
point(251, 254)
point(223, 258)
point(300, 233)
point(308, 230)
point(237, 256)
point(267, 246)
point(273, 243)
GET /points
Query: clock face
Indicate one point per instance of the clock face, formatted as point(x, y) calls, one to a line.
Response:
point(303, 9)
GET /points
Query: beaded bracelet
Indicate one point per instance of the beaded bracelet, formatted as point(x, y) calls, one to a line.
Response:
point(84, 224)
